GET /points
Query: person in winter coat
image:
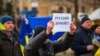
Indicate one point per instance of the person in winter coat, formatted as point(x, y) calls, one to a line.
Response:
point(96, 39)
point(82, 44)
point(40, 45)
point(9, 44)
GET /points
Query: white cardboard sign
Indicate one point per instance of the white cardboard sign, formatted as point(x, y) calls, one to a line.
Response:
point(62, 22)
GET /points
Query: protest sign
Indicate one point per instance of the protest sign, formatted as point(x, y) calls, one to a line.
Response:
point(62, 22)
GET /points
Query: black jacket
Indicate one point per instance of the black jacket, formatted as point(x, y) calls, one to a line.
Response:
point(36, 47)
point(81, 40)
point(8, 47)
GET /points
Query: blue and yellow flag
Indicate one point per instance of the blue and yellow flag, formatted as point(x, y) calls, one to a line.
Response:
point(33, 22)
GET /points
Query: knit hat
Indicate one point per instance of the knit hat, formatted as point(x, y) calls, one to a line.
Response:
point(5, 19)
point(38, 30)
point(84, 19)
point(94, 27)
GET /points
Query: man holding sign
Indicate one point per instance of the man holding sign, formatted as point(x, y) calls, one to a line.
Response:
point(40, 46)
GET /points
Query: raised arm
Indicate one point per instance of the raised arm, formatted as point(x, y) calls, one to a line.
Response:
point(38, 39)
point(66, 43)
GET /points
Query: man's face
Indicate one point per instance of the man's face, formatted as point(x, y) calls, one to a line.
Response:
point(87, 24)
point(9, 26)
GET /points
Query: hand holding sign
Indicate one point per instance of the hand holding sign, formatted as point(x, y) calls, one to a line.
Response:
point(50, 25)
point(72, 28)
point(62, 22)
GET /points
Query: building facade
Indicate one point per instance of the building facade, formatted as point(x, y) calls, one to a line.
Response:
point(47, 6)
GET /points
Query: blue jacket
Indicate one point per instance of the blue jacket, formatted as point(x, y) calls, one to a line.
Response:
point(82, 39)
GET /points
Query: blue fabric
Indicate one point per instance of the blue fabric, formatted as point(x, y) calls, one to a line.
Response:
point(34, 22)
point(24, 30)
point(97, 38)
point(31, 14)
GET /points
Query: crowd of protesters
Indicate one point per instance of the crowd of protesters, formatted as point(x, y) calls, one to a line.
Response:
point(85, 41)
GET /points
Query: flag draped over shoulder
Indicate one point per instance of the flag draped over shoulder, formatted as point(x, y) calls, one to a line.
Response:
point(33, 22)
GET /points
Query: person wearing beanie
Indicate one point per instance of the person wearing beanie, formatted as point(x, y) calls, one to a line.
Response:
point(96, 39)
point(84, 19)
point(40, 46)
point(9, 43)
point(5, 19)
point(82, 44)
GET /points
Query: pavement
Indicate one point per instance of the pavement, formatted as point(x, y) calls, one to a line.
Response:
point(68, 52)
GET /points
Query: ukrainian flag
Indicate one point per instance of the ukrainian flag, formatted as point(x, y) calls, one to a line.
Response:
point(26, 29)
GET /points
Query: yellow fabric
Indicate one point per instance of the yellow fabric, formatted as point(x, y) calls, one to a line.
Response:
point(62, 37)
point(98, 45)
point(1, 27)
point(53, 33)
point(27, 39)
point(22, 49)
point(97, 53)
point(95, 43)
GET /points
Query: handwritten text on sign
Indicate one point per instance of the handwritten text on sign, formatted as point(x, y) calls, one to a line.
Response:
point(61, 22)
